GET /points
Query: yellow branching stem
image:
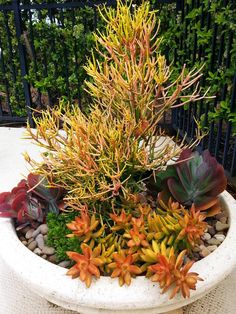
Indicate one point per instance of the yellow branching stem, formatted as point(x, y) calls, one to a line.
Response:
point(100, 156)
point(94, 158)
point(133, 74)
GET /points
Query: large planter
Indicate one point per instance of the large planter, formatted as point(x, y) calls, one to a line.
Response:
point(105, 295)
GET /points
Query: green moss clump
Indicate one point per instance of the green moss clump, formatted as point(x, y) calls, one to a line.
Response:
point(57, 231)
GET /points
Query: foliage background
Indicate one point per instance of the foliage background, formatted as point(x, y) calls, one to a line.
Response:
point(57, 43)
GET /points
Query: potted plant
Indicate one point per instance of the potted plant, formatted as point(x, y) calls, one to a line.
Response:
point(135, 217)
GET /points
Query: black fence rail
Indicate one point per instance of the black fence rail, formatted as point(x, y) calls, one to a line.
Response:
point(43, 48)
point(208, 36)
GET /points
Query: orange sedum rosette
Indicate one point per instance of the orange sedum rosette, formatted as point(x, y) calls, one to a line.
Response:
point(123, 267)
point(87, 264)
point(171, 272)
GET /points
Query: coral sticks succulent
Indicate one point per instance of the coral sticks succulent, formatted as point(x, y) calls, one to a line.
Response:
point(102, 154)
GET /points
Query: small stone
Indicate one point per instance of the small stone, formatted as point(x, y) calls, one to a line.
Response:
point(30, 240)
point(221, 226)
point(37, 251)
point(64, 264)
point(29, 234)
point(52, 258)
point(40, 241)
point(43, 229)
point(36, 232)
point(22, 238)
point(211, 230)
point(48, 250)
point(206, 236)
point(24, 242)
point(196, 249)
point(32, 245)
point(213, 241)
point(204, 251)
point(25, 229)
point(223, 220)
point(212, 248)
point(44, 256)
point(196, 256)
point(201, 242)
point(45, 237)
point(219, 216)
point(212, 222)
point(220, 237)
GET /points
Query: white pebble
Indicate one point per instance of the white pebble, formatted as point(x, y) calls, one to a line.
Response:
point(212, 248)
point(48, 250)
point(29, 233)
point(30, 240)
point(52, 258)
point(36, 232)
point(221, 226)
point(213, 241)
point(43, 229)
point(223, 220)
point(64, 264)
point(220, 237)
point(32, 245)
point(37, 251)
point(40, 241)
point(206, 236)
point(204, 252)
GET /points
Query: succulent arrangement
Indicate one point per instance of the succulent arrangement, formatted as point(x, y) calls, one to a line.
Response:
point(136, 212)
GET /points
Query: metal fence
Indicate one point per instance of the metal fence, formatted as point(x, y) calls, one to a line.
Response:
point(43, 48)
point(220, 46)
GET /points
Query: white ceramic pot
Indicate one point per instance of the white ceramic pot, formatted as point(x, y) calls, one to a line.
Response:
point(105, 295)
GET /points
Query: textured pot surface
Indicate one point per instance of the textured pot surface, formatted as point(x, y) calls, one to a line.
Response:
point(105, 295)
